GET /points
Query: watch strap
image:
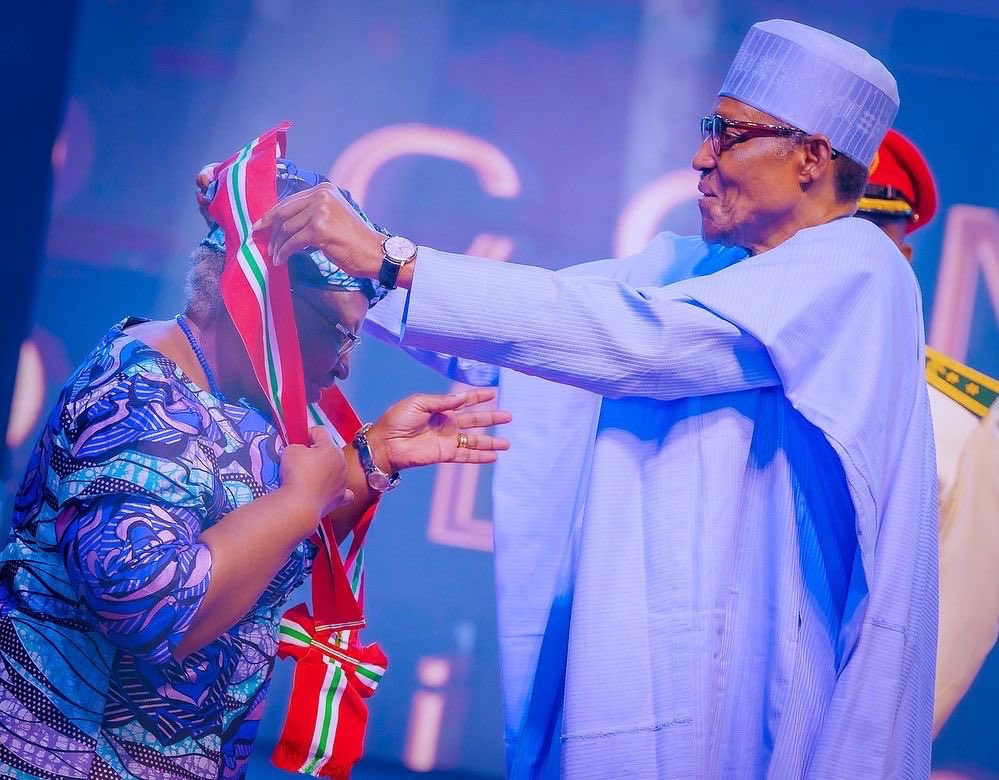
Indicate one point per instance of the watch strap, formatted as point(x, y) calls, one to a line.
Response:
point(388, 274)
point(364, 454)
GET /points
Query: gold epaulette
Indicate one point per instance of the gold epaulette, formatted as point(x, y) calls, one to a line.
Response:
point(884, 206)
point(974, 390)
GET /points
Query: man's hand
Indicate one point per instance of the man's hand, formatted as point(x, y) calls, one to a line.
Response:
point(425, 429)
point(321, 218)
point(201, 183)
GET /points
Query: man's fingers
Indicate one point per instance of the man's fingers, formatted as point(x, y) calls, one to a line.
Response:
point(205, 176)
point(293, 204)
point(289, 227)
point(286, 248)
point(284, 210)
point(482, 443)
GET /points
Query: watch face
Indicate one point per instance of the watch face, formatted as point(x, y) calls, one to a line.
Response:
point(399, 250)
point(379, 481)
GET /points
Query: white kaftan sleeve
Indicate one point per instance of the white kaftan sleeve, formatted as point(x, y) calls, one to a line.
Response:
point(599, 334)
point(384, 322)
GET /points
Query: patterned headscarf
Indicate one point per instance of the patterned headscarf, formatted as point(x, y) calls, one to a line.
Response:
point(290, 180)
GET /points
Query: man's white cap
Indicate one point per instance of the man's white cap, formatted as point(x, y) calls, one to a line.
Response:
point(816, 82)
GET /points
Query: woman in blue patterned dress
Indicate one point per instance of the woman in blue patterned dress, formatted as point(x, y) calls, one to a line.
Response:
point(160, 528)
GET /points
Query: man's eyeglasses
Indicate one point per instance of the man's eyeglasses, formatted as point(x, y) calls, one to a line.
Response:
point(717, 129)
point(348, 340)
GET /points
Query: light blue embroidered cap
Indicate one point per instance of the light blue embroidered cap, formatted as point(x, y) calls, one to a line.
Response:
point(816, 82)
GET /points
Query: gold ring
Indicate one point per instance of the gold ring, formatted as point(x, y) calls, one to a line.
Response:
point(462, 440)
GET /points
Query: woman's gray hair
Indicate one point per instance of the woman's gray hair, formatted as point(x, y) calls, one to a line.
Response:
point(203, 290)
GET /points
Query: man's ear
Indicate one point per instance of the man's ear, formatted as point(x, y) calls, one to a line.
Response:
point(817, 157)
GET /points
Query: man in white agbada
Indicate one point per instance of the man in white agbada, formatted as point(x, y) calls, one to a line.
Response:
point(747, 584)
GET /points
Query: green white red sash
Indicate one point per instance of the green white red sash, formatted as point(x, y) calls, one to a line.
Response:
point(324, 730)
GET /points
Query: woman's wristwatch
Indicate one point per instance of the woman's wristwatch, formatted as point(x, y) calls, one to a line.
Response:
point(396, 252)
point(377, 479)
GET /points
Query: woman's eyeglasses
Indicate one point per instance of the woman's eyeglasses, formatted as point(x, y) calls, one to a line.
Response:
point(348, 340)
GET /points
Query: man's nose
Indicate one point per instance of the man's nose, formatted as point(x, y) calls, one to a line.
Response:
point(704, 157)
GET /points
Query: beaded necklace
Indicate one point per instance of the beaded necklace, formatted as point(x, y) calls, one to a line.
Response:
point(213, 386)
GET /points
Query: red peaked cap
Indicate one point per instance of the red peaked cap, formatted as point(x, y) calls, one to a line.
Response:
point(900, 183)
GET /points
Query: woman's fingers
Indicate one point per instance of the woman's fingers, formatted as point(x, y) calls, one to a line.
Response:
point(484, 442)
point(477, 395)
point(464, 400)
point(474, 456)
point(320, 437)
point(482, 418)
point(347, 497)
point(440, 403)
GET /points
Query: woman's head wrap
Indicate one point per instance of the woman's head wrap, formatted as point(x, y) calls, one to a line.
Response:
point(291, 180)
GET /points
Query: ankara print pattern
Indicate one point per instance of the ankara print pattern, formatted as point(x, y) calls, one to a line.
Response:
point(104, 571)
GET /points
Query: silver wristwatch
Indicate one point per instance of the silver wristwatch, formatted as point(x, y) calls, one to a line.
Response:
point(377, 479)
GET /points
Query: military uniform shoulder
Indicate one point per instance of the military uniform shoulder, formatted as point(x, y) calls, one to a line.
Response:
point(972, 389)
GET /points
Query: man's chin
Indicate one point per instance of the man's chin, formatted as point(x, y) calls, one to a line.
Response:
point(713, 235)
point(709, 235)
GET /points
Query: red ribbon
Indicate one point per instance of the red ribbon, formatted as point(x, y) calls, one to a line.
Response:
point(324, 731)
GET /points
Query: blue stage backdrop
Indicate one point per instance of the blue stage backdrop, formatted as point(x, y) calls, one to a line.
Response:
point(526, 130)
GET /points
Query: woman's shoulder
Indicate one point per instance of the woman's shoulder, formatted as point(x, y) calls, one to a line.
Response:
point(128, 422)
point(118, 356)
point(123, 379)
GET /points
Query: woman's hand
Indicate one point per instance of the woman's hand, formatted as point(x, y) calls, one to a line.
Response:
point(316, 475)
point(424, 429)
